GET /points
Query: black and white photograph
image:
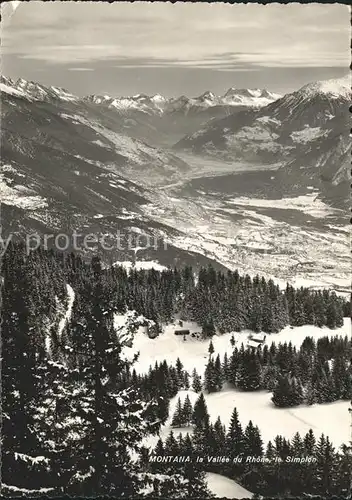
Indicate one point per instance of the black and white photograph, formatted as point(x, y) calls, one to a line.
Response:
point(175, 256)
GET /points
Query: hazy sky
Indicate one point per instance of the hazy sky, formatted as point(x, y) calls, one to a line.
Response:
point(174, 49)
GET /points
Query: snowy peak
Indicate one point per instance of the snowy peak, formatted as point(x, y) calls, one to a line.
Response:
point(314, 104)
point(207, 96)
point(9, 87)
point(334, 88)
point(160, 105)
point(158, 98)
point(249, 97)
point(34, 91)
point(243, 92)
point(137, 102)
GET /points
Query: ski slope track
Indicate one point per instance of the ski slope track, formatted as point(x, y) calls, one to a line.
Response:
point(67, 316)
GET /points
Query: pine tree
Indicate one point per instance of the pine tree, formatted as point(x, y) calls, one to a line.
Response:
point(178, 418)
point(200, 415)
point(186, 383)
point(171, 446)
point(270, 377)
point(208, 329)
point(309, 443)
point(235, 438)
point(211, 348)
point(196, 382)
point(225, 367)
point(162, 410)
point(250, 373)
point(210, 377)
point(218, 373)
point(326, 465)
point(187, 411)
point(287, 392)
point(159, 448)
point(253, 444)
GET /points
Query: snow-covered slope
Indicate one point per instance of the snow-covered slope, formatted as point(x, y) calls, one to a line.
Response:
point(250, 405)
point(223, 487)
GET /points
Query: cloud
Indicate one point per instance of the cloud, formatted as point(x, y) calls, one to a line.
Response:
point(218, 36)
point(80, 69)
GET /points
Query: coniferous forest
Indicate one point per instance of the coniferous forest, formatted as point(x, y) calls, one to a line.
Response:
point(75, 411)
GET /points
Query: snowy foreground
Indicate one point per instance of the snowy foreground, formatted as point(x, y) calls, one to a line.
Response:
point(255, 406)
point(222, 486)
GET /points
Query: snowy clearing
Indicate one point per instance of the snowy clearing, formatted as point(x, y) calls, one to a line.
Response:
point(222, 486)
point(255, 406)
point(194, 352)
point(141, 264)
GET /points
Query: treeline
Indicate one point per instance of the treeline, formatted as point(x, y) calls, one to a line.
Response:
point(317, 372)
point(215, 300)
point(224, 302)
point(276, 468)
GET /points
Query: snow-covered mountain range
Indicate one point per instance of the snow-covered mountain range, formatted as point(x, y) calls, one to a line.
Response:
point(33, 91)
point(162, 105)
point(158, 120)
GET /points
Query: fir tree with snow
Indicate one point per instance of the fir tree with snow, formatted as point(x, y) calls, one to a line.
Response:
point(178, 417)
point(196, 381)
point(200, 414)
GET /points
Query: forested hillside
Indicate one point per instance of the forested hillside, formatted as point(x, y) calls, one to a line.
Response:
point(74, 410)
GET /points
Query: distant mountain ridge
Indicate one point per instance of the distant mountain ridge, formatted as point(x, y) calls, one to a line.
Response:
point(33, 91)
point(156, 119)
point(142, 102)
point(162, 105)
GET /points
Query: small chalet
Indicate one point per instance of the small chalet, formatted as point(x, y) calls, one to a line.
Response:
point(256, 340)
point(258, 337)
point(253, 345)
point(181, 332)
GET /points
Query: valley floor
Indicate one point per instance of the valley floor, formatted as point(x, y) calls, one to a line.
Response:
point(300, 240)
